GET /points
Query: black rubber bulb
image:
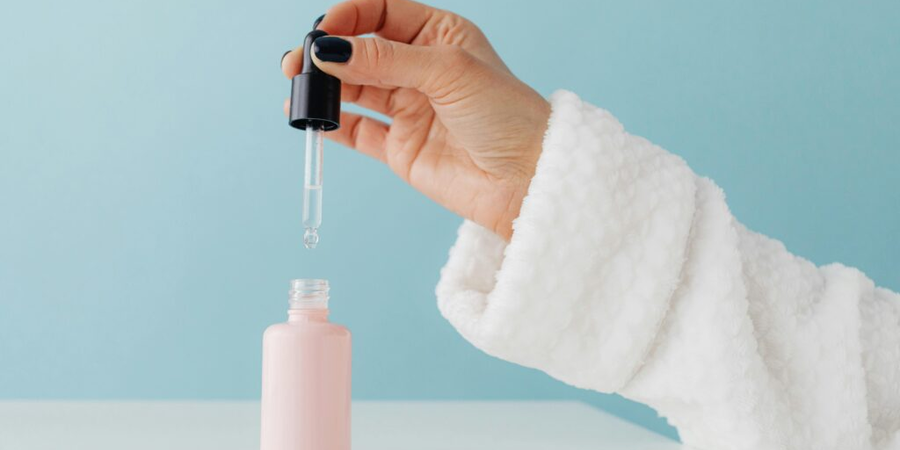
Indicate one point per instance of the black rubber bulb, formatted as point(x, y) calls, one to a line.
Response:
point(315, 95)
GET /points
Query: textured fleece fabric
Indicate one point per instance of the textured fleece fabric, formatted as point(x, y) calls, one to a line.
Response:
point(627, 273)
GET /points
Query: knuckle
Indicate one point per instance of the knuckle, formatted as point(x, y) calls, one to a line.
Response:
point(450, 29)
point(378, 51)
point(468, 25)
point(453, 29)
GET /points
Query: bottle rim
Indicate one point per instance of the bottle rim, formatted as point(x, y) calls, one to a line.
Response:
point(308, 293)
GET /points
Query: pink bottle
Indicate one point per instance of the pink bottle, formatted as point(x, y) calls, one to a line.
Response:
point(306, 376)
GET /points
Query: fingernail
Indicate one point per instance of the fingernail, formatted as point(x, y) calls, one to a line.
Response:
point(332, 49)
point(285, 54)
point(317, 22)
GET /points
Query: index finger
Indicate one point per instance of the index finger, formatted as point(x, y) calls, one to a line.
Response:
point(396, 20)
point(292, 62)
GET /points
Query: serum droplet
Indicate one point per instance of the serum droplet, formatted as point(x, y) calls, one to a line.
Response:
point(310, 238)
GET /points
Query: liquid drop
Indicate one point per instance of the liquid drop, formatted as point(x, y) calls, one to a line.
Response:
point(310, 238)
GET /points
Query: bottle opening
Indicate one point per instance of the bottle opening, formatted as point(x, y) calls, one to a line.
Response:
point(309, 294)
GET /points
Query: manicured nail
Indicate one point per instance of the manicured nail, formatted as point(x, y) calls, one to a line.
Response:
point(285, 54)
point(317, 22)
point(332, 49)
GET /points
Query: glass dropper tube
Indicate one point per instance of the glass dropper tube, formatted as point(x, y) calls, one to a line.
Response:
point(312, 185)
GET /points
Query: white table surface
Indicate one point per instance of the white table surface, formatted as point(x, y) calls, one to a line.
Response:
point(227, 425)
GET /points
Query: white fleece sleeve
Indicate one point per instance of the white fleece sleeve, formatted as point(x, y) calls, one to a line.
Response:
point(627, 273)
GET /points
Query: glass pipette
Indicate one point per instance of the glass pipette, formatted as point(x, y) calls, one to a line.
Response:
point(316, 109)
point(312, 186)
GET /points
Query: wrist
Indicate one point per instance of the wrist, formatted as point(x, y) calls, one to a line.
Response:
point(518, 185)
point(515, 195)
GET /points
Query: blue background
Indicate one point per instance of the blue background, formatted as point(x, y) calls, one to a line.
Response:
point(150, 186)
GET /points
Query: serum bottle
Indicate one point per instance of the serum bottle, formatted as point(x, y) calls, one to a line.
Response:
point(306, 376)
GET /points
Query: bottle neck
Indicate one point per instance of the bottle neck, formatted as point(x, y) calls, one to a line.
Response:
point(307, 315)
point(309, 295)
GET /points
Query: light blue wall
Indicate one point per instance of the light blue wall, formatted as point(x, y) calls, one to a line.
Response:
point(150, 187)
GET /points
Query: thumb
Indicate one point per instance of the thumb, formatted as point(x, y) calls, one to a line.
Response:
point(433, 70)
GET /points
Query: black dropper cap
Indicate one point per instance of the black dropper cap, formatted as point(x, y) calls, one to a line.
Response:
point(315, 95)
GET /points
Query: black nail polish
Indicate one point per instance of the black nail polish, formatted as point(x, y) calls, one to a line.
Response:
point(285, 54)
point(318, 21)
point(332, 49)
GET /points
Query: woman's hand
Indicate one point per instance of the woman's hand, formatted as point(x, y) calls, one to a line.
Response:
point(465, 131)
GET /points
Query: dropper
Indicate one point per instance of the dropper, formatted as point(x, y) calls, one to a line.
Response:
point(315, 108)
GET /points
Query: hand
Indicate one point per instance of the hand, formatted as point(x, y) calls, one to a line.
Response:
point(464, 131)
